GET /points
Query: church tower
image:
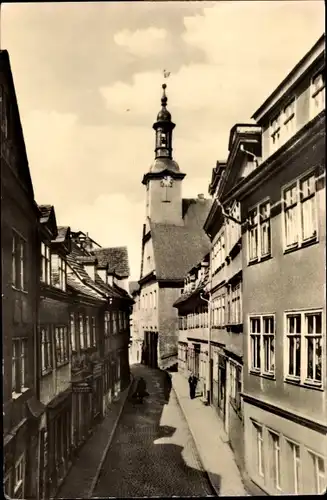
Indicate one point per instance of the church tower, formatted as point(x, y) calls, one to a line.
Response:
point(163, 181)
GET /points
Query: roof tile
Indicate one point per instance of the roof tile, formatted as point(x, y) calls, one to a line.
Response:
point(179, 248)
point(115, 257)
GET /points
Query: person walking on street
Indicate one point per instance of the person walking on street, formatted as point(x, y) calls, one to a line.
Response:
point(192, 381)
point(141, 389)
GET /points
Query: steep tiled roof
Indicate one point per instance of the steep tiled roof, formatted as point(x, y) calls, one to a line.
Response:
point(179, 248)
point(115, 257)
point(133, 287)
point(78, 269)
point(62, 233)
point(45, 211)
point(79, 287)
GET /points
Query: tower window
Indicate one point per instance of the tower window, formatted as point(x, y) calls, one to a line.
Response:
point(163, 139)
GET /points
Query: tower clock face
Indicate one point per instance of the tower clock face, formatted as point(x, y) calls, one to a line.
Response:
point(167, 181)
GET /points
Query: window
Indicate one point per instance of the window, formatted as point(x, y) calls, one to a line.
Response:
point(62, 345)
point(293, 458)
point(94, 337)
point(18, 262)
point(275, 133)
point(262, 344)
point(106, 323)
point(274, 458)
point(46, 351)
point(8, 483)
point(19, 477)
point(289, 120)
point(236, 386)
point(58, 271)
point(317, 94)
point(319, 472)
point(233, 229)
point(62, 274)
point(300, 212)
point(304, 345)
point(259, 449)
point(45, 264)
point(259, 238)
point(81, 331)
point(218, 253)
point(236, 305)
point(72, 331)
point(88, 332)
point(19, 365)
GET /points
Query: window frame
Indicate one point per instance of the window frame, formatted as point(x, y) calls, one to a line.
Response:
point(46, 349)
point(258, 225)
point(18, 261)
point(46, 267)
point(19, 382)
point(88, 331)
point(21, 482)
point(62, 345)
point(301, 242)
point(297, 478)
point(315, 92)
point(72, 329)
point(315, 456)
point(260, 455)
point(274, 131)
point(93, 330)
point(303, 379)
point(276, 451)
point(261, 335)
point(286, 135)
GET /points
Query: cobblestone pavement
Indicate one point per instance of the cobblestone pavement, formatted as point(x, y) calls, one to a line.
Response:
point(152, 452)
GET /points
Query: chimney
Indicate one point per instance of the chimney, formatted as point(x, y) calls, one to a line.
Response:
point(88, 246)
point(201, 196)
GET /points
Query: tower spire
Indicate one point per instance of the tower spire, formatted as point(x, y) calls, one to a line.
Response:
point(164, 127)
point(164, 98)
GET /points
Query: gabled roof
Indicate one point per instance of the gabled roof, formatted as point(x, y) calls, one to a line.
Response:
point(45, 211)
point(19, 142)
point(78, 269)
point(116, 258)
point(48, 219)
point(178, 248)
point(63, 232)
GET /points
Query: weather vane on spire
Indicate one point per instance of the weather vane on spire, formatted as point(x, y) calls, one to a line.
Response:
point(166, 73)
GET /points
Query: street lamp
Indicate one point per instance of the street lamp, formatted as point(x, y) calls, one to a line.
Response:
point(208, 384)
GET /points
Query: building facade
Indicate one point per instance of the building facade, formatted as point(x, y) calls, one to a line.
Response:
point(173, 242)
point(136, 344)
point(283, 205)
point(193, 316)
point(20, 261)
point(55, 355)
point(99, 328)
point(223, 226)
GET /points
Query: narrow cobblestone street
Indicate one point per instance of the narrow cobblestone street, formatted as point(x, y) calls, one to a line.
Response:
point(153, 452)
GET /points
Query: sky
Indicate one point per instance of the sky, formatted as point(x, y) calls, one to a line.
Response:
point(78, 68)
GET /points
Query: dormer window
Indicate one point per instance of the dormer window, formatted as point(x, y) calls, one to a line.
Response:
point(45, 264)
point(289, 120)
point(317, 94)
point(275, 133)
